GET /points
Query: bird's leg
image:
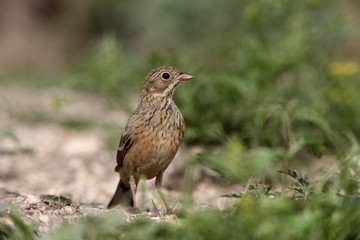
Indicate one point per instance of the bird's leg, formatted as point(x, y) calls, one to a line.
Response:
point(158, 181)
point(133, 192)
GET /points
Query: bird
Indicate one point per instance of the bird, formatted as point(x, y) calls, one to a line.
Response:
point(152, 135)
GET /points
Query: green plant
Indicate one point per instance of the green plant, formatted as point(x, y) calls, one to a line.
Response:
point(258, 214)
point(301, 187)
point(18, 229)
point(107, 70)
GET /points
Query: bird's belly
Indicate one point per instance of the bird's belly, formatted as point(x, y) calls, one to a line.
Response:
point(152, 152)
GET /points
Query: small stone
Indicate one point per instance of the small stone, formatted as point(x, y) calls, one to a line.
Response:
point(4, 208)
point(89, 211)
point(69, 210)
point(44, 218)
point(32, 199)
point(171, 218)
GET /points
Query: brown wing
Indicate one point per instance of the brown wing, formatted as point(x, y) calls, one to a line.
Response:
point(124, 146)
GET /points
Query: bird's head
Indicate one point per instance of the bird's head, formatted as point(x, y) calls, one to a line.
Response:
point(162, 82)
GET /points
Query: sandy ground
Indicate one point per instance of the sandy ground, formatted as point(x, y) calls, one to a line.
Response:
point(45, 157)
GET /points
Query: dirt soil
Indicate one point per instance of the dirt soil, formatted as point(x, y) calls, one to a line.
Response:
point(40, 155)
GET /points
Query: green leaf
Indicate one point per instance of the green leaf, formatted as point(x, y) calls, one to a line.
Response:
point(295, 146)
point(260, 159)
point(314, 117)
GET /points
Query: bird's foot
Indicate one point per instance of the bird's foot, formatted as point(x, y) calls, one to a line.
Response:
point(134, 210)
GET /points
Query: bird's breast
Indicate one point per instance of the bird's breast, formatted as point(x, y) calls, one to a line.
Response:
point(156, 141)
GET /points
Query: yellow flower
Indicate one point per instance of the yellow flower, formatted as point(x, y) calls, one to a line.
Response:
point(343, 68)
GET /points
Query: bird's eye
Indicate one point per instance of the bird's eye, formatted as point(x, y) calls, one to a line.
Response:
point(166, 75)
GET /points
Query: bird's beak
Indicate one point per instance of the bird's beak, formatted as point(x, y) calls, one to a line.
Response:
point(184, 77)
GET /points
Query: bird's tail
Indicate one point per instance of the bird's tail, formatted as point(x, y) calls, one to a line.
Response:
point(122, 195)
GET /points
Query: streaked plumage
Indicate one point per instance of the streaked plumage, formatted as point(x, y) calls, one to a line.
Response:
point(152, 134)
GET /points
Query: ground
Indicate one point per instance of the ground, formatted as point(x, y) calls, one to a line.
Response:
point(63, 143)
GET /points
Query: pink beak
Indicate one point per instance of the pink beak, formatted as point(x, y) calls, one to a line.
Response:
point(184, 77)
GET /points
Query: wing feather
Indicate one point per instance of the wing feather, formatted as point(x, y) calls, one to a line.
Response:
point(124, 146)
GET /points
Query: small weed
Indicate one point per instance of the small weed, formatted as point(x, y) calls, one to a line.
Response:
point(301, 187)
point(17, 229)
point(53, 200)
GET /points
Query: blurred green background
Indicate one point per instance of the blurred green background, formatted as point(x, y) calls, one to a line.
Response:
point(276, 82)
point(264, 69)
